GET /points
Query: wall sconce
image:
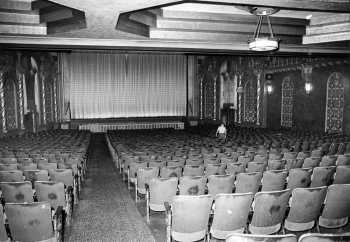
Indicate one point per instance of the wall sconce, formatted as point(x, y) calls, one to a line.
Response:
point(308, 87)
point(307, 76)
point(269, 87)
point(240, 90)
point(268, 84)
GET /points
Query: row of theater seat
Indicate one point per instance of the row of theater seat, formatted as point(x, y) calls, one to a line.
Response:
point(40, 180)
point(160, 163)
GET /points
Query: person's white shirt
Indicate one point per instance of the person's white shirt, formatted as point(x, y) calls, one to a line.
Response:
point(221, 130)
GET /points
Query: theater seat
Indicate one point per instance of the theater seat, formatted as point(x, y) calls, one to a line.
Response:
point(238, 237)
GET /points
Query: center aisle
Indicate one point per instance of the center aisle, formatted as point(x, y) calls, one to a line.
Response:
point(106, 211)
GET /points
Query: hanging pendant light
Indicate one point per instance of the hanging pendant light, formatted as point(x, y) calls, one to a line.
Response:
point(266, 43)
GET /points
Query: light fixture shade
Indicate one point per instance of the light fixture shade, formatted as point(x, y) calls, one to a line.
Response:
point(240, 90)
point(269, 87)
point(263, 44)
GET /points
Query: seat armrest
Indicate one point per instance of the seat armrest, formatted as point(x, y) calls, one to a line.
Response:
point(167, 207)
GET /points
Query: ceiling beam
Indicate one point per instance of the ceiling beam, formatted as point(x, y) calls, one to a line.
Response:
point(301, 5)
point(57, 43)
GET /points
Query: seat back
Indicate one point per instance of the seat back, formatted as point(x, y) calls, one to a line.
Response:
point(47, 166)
point(311, 162)
point(134, 166)
point(269, 211)
point(190, 217)
point(36, 175)
point(274, 180)
point(256, 167)
point(239, 237)
point(306, 204)
point(62, 175)
point(192, 185)
point(3, 234)
point(28, 166)
point(8, 160)
point(220, 184)
point(8, 167)
point(324, 237)
point(342, 175)
point(11, 176)
point(51, 192)
point(194, 161)
point(322, 176)
point(276, 164)
point(215, 169)
point(161, 190)
point(328, 160)
point(144, 175)
point(30, 221)
point(299, 177)
point(293, 163)
point(343, 160)
point(337, 204)
point(170, 171)
point(193, 170)
point(17, 192)
point(227, 205)
point(248, 182)
point(177, 163)
point(235, 168)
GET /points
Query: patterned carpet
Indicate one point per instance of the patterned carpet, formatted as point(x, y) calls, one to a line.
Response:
point(106, 211)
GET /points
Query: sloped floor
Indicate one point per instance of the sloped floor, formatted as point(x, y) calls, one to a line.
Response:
point(106, 211)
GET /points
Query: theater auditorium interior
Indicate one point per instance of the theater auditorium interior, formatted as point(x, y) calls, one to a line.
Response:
point(109, 116)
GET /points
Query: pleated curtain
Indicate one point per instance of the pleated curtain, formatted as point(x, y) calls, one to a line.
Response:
point(107, 85)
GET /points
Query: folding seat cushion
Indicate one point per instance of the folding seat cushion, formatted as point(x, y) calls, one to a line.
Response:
point(30, 221)
point(305, 208)
point(230, 214)
point(156, 163)
point(62, 175)
point(213, 160)
point(239, 237)
point(17, 192)
point(176, 162)
point(226, 160)
point(184, 227)
point(336, 211)
point(214, 169)
point(193, 170)
point(256, 167)
point(192, 185)
point(11, 176)
point(248, 182)
point(322, 176)
point(274, 180)
point(269, 211)
point(299, 177)
point(220, 184)
point(324, 237)
point(235, 168)
point(244, 159)
point(342, 175)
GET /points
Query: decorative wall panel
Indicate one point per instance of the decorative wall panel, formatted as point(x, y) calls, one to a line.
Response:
point(335, 103)
point(287, 102)
point(250, 102)
point(10, 96)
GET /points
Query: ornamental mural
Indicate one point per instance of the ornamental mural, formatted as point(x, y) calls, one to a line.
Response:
point(287, 102)
point(335, 103)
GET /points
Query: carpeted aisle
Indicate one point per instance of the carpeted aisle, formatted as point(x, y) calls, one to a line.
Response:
point(106, 211)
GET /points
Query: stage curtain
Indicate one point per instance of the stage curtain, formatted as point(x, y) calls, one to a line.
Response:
point(106, 85)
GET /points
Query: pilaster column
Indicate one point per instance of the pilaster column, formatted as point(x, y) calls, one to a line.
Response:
point(2, 100)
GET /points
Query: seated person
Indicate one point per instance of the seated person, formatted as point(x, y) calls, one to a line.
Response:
point(221, 132)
